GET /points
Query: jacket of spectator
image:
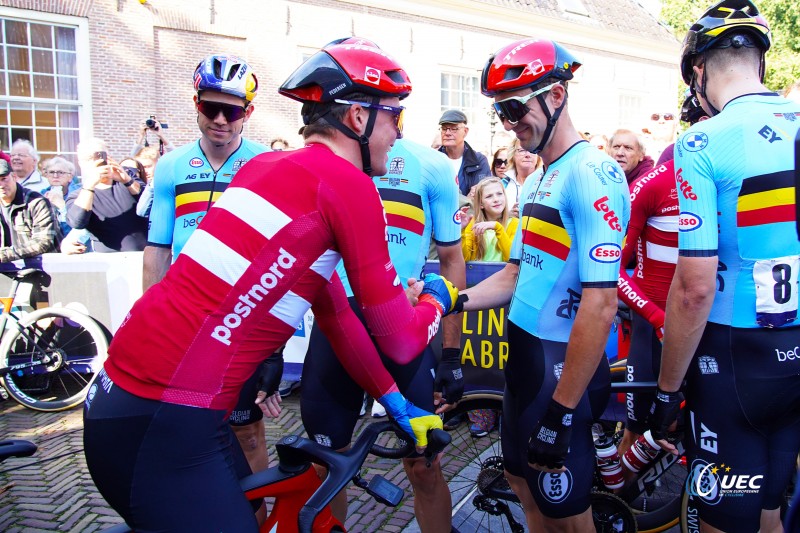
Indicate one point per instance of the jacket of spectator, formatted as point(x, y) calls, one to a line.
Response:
point(474, 168)
point(27, 228)
point(645, 165)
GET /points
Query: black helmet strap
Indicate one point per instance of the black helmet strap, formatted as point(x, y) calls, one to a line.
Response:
point(363, 140)
point(551, 119)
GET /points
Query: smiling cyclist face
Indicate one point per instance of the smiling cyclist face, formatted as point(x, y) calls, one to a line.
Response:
point(219, 131)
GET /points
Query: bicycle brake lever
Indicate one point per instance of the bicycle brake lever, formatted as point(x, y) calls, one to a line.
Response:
point(438, 439)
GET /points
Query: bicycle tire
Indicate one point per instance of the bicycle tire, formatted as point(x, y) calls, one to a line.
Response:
point(469, 464)
point(78, 347)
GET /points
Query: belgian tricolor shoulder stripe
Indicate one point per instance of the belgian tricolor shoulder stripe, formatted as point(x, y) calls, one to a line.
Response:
point(766, 199)
point(403, 209)
point(193, 197)
point(543, 229)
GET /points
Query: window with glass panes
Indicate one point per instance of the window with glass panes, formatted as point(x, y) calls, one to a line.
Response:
point(39, 98)
point(463, 93)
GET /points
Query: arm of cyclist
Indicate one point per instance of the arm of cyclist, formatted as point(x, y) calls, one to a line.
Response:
point(494, 291)
point(158, 252)
point(353, 347)
point(449, 380)
point(688, 306)
point(635, 298)
point(357, 221)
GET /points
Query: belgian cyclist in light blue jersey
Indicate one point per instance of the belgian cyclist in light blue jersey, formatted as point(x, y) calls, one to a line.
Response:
point(731, 319)
point(561, 281)
point(420, 199)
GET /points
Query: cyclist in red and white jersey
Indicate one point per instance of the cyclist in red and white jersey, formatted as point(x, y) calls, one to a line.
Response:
point(155, 424)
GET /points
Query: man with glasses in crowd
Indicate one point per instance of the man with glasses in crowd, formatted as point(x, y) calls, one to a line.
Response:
point(470, 166)
point(187, 181)
point(561, 281)
point(25, 164)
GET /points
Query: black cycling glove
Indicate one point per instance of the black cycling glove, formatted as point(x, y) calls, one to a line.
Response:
point(271, 373)
point(449, 377)
point(549, 442)
point(663, 413)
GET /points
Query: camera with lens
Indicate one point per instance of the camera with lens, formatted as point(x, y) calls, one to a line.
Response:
point(152, 124)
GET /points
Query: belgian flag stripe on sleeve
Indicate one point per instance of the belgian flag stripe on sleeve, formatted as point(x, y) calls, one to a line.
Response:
point(766, 199)
point(544, 230)
point(403, 210)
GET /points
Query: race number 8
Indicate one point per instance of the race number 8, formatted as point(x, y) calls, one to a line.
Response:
point(776, 290)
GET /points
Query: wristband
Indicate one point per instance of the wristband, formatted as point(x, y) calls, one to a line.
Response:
point(460, 301)
point(128, 183)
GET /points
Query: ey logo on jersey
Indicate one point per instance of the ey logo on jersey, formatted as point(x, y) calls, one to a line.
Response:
point(696, 141)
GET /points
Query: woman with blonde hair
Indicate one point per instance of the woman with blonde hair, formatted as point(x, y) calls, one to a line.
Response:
point(522, 164)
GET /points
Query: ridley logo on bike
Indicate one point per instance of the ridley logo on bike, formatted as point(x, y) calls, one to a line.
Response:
point(555, 487)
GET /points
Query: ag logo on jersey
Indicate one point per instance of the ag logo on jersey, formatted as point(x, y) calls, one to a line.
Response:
point(607, 252)
point(555, 487)
point(613, 172)
point(694, 142)
point(195, 162)
point(689, 221)
point(396, 166)
point(239, 163)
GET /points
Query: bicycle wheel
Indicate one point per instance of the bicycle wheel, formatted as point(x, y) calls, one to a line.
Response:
point(473, 468)
point(58, 351)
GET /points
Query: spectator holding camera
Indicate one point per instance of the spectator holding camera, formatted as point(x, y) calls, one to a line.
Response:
point(152, 125)
point(106, 203)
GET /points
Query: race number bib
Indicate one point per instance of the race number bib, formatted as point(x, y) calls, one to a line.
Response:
point(776, 290)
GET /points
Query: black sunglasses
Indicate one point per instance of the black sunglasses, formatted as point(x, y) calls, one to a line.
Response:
point(232, 113)
point(514, 108)
point(498, 162)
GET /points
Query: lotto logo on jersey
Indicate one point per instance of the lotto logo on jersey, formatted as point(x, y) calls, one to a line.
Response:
point(684, 186)
point(608, 252)
point(689, 221)
point(695, 141)
point(601, 206)
point(195, 162)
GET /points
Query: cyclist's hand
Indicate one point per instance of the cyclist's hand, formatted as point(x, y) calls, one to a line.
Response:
point(411, 419)
point(413, 289)
point(449, 381)
point(271, 373)
point(663, 413)
point(660, 333)
point(269, 405)
point(439, 292)
point(549, 442)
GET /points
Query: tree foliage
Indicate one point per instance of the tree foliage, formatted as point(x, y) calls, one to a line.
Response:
point(783, 59)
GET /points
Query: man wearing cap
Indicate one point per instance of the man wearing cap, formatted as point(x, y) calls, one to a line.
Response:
point(470, 166)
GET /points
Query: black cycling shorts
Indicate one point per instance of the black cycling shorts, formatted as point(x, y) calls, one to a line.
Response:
point(246, 411)
point(532, 373)
point(743, 400)
point(331, 400)
point(165, 467)
point(644, 362)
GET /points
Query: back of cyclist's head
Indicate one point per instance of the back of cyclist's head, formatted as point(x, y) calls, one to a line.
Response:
point(345, 69)
point(225, 73)
point(731, 31)
point(528, 63)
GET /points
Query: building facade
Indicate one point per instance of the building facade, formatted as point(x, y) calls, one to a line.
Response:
point(73, 69)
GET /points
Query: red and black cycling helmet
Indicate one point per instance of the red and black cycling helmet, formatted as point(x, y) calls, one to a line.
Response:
point(527, 63)
point(343, 67)
point(717, 25)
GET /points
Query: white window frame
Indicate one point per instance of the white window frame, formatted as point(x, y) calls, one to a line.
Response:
point(82, 54)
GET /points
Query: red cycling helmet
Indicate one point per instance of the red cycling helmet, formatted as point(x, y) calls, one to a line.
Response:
point(527, 63)
point(719, 22)
point(343, 67)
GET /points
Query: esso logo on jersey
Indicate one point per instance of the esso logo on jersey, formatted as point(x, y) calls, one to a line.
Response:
point(195, 162)
point(689, 221)
point(608, 252)
point(555, 487)
point(457, 216)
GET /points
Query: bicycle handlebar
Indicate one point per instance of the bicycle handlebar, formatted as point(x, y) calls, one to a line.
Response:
point(342, 467)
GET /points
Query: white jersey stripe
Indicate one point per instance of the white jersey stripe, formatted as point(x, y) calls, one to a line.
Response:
point(290, 309)
point(253, 210)
point(215, 256)
point(326, 264)
point(666, 223)
point(659, 252)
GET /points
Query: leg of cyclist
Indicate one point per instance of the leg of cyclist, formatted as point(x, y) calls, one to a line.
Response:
point(247, 423)
point(554, 501)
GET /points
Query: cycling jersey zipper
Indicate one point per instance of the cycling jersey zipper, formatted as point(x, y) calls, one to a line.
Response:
point(214, 180)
